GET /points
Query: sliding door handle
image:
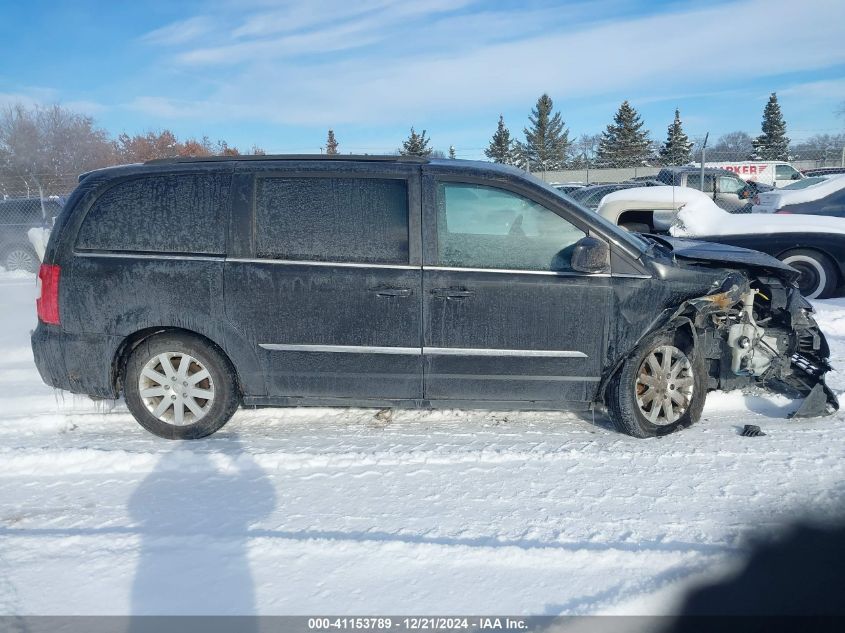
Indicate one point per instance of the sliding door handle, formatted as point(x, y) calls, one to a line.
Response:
point(451, 293)
point(391, 292)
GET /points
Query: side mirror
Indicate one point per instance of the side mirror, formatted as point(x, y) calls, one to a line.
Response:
point(796, 176)
point(590, 255)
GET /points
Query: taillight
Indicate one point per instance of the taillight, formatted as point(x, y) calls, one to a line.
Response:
point(47, 303)
point(782, 212)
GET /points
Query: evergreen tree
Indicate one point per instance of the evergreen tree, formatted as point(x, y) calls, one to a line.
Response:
point(773, 143)
point(624, 143)
point(676, 149)
point(547, 140)
point(452, 152)
point(331, 144)
point(416, 145)
point(501, 148)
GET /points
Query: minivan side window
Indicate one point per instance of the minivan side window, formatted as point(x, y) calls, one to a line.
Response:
point(358, 220)
point(167, 213)
point(486, 227)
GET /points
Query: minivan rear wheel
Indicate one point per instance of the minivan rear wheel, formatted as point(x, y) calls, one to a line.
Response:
point(659, 389)
point(180, 386)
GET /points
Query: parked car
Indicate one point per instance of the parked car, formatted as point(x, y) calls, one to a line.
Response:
point(643, 211)
point(17, 216)
point(804, 183)
point(826, 197)
point(815, 249)
point(592, 195)
point(775, 173)
point(727, 190)
point(568, 187)
point(823, 171)
point(192, 286)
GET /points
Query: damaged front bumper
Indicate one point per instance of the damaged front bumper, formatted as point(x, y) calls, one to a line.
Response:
point(761, 331)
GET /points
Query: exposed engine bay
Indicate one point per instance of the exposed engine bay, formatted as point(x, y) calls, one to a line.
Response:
point(761, 331)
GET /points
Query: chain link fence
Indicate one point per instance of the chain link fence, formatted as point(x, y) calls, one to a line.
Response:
point(25, 215)
point(733, 184)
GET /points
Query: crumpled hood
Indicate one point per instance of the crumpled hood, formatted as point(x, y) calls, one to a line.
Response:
point(731, 255)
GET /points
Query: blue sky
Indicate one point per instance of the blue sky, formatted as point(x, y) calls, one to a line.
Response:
point(279, 73)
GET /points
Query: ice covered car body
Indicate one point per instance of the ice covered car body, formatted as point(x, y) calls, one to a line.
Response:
point(396, 281)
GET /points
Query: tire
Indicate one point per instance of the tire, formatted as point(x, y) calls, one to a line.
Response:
point(819, 276)
point(636, 227)
point(180, 415)
point(628, 386)
point(20, 257)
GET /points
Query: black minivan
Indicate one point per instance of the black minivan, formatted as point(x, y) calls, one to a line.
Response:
point(193, 286)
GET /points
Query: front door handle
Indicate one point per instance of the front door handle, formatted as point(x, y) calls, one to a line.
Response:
point(391, 292)
point(451, 293)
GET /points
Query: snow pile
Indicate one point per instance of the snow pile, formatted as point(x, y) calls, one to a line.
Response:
point(39, 237)
point(700, 216)
point(709, 220)
point(806, 194)
point(665, 195)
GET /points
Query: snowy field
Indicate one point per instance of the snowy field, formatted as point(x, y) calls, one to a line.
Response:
point(310, 511)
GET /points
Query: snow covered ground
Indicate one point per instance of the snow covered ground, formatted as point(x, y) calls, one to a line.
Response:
point(311, 511)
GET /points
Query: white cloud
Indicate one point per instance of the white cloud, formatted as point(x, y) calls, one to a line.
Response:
point(161, 107)
point(85, 106)
point(823, 90)
point(8, 99)
point(316, 28)
point(459, 64)
point(296, 15)
point(181, 32)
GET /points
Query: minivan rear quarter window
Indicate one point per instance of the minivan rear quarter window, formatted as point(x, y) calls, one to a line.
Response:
point(160, 214)
point(359, 220)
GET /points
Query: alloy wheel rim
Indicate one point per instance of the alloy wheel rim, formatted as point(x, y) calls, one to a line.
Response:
point(664, 385)
point(19, 259)
point(176, 388)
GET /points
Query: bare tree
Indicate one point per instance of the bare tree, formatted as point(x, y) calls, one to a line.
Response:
point(152, 145)
point(585, 150)
point(44, 148)
point(732, 146)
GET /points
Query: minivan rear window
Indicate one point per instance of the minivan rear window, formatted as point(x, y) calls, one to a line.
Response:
point(362, 220)
point(182, 213)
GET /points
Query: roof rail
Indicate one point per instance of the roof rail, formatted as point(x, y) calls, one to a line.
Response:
point(271, 157)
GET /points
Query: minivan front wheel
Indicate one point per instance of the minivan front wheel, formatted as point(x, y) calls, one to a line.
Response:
point(660, 389)
point(179, 386)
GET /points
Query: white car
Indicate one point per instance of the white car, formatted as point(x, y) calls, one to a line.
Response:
point(649, 209)
point(813, 245)
point(772, 201)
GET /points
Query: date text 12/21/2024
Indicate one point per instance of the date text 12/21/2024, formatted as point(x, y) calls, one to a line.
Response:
point(429, 623)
